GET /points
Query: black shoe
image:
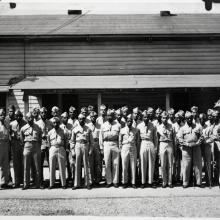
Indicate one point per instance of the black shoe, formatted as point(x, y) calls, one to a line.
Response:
point(108, 185)
point(124, 186)
point(185, 186)
point(170, 185)
point(51, 187)
point(24, 188)
point(116, 185)
point(200, 186)
point(64, 187)
point(134, 186)
point(142, 186)
point(153, 186)
point(89, 187)
point(42, 186)
point(75, 187)
point(15, 186)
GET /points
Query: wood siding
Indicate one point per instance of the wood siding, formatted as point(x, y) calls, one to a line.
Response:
point(122, 58)
point(11, 61)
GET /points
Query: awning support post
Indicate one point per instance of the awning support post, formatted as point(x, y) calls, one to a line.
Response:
point(99, 102)
point(167, 101)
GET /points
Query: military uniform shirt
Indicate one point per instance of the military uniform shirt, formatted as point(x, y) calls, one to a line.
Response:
point(57, 138)
point(166, 133)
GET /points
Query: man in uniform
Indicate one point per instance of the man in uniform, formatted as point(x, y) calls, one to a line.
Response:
point(55, 112)
point(102, 118)
point(150, 110)
point(109, 143)
point(4, 151)
point(125, 111)
point(171, 114)
point(129, 141)
point(57, 140)
point(148, 149)
point(190, 140)
point(135, 116)
point(195, 114)
point(95, 156)
point(68, 132)
point(166, 138)
point(118, 116)
point(72, 117)
point(45, 126)
point(36, 114)
point(31, 137)
point(81, 144)
point(17, 147)
point(90, 109)
point(209, 117)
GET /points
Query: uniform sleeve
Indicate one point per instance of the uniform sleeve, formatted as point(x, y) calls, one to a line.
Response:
point(22, 136)
point(155, 137)
point(120, 139)
point(180, 136)
point(91, 140)
point(72, 140)
point(48, 139)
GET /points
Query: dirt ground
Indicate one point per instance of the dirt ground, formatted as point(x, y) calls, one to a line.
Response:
point(176, 202)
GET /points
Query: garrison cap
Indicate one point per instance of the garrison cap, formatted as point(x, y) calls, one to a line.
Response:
point(129, 117)
point(118, 111)
point(72, 108)
point(81, 116)
point(202, 115)
point(188, 114)
point(93, 113)
point(194, 108)
point(90, 108)
point(135, 110)
point(150, 110)
point(177, 115)
point(55, 109)
point(64, 114)
point(110, 112)
point(103, 107)
point(159, 110)
point(124, 108)
point(35, 109)
point(164, 114)
point(29, 114)
point(83, 109)
point(43, 109)
point(144, 113)
point(11, 107)
point(55, 119)
point(171, 111)
point(18, 112)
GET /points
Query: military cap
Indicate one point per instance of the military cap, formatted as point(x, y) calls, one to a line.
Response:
point(110, 112)
point(144, 113)
point(35, 109)
point(81, 116)
point(164, 114)
point(93, 113)
point(11, 107)
point(202, 115)
point(217, 104)
point(55, 109)
point(181, 113)
point(188, 114)
point(55, 119)
point(64, 114)
point(118, 111)
point(209, 111)
point(171, 111)
point(159, 110)
point(18, 112)
point(103, 107)
point(177, 115)
point(43, 109)
point(124, 108)
point(72, 109)
point(150, 110)
point(194, 108)
point(129, 117)
point(135, 110)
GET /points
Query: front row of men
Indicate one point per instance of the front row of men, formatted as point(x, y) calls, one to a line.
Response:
point(180, 142)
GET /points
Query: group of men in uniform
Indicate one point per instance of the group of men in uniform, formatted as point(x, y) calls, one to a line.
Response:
point(133, 145)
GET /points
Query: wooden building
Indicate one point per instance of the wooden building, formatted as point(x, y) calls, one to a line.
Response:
point(138, 60)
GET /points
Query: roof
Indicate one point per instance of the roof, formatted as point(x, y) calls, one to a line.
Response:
point(93, 24)
point(118, 82)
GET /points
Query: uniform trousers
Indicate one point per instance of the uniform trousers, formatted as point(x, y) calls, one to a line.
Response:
point(4, 162)
point(57, 155)
point(189, 155)
point(147, 159)
point(216, 159)
point(129, 154)
point(95, 164)
point(17, 153)
point(177, 164)
point(166, 158)
point(44, 154)
point(111, 157)
point(31, 152)
point(82, 154)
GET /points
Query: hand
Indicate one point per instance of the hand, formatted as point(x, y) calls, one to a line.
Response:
point(90, 152)
point(101, 152)
point(73, 153)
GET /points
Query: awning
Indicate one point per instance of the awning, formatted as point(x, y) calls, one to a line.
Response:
point(4, 88)
point(118, 82)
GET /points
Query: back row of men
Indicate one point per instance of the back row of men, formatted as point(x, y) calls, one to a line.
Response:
point(133, 146)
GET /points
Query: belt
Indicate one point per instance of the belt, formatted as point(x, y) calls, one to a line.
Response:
point(166, 141)
point(82, 141)
point(147, 140)
point(57, 146)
